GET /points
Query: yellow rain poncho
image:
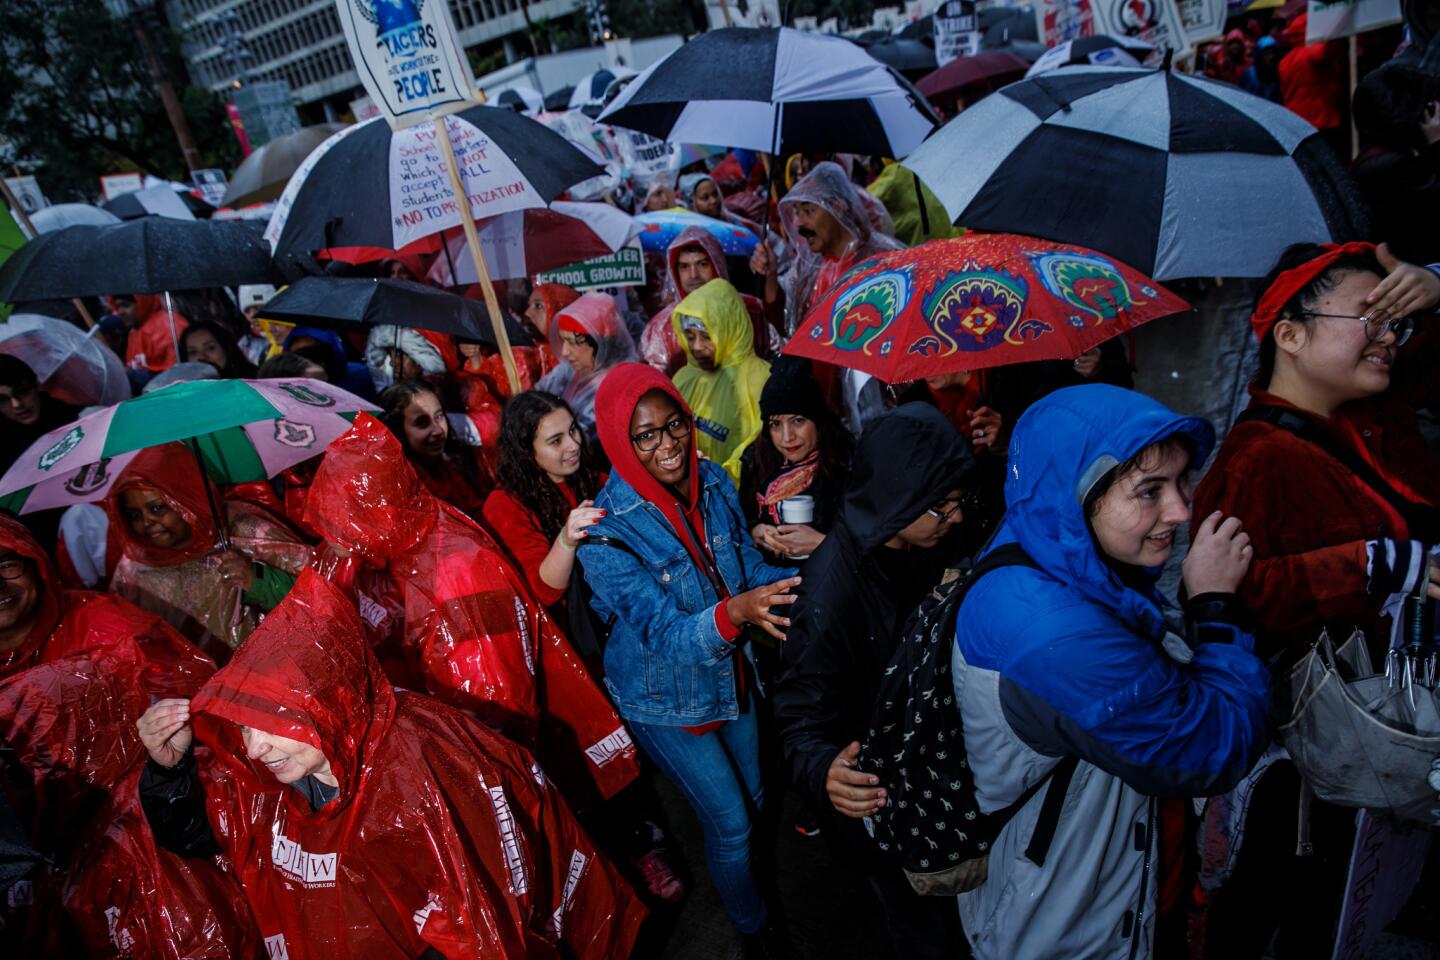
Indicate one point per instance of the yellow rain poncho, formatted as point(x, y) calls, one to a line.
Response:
point(726, 400)
point(900, 191)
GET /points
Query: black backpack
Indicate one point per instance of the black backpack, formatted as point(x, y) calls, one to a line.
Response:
point(931, 824)
point(588, 631)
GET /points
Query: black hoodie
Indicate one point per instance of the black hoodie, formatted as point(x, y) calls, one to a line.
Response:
point(857, 593)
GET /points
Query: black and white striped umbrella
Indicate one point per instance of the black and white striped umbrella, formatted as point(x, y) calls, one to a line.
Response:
point(775, 90)
point(1178, 176)
point(370, 186)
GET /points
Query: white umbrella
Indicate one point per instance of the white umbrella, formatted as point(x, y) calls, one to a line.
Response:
point(70, 214)
point(70, 366)
point(527, 242)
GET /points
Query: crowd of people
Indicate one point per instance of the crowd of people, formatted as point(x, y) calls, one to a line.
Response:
point(410, 697)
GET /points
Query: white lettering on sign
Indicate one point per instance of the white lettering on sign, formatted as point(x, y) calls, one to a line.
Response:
point(408, 58)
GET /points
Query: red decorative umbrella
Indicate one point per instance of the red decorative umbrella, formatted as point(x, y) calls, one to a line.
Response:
point(982, 300)
point(995, 66)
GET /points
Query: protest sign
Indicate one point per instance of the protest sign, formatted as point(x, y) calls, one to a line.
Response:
point(1154, 21)
point(211, 184)
point(957, 31)
point(623, 268)
point(408, 58)
point(113, 185)
point(1344, 18)
point(646, 157)
point(27, 193)
point(1202, 20)
point(1062, 20)
point(423, 201)
point(1385, 866)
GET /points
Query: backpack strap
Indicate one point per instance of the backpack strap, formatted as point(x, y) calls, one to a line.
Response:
point(1423, 520)
point(1056, 781)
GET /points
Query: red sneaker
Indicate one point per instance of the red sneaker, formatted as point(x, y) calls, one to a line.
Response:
point(660, 878)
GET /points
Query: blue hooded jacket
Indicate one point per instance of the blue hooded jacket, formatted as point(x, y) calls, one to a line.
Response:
point(353, 376)
point(1078, 652)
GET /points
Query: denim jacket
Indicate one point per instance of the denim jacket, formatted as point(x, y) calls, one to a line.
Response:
point(666, 663)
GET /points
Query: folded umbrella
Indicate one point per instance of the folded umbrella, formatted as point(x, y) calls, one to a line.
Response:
point(150, 255)
point(263, 175)
point(982, 300)
point(72, 367)
point(660, 227)
point(775, 90)
point(910, 57)
point(242, 431)
point(1179, 176)
point(341, 303)
point(370, 186)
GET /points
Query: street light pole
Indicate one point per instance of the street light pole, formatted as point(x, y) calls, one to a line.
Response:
point(135, 11)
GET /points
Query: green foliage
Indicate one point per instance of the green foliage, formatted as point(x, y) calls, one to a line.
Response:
point(651, 18)
point(79, 101)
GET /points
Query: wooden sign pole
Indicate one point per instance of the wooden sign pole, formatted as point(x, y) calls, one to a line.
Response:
point(467, 219)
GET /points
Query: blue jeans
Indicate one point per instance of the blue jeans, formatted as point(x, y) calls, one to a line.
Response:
point(719, 773)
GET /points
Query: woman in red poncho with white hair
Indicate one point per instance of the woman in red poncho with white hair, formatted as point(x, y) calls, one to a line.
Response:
point(363, 821)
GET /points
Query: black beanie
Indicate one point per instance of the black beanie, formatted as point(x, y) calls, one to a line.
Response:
point(792, 389)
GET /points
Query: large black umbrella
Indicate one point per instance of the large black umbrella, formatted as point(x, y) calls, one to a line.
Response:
point(343, 303)
point(1177, 176)
point(140, 256)
point(263, 174)
point(910, 57)
point(370, 186)
point(776, 90)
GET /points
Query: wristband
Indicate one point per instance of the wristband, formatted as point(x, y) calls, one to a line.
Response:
point(565, 541)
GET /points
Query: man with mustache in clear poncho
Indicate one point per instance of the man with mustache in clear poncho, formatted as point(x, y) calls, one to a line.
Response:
point(827, 219)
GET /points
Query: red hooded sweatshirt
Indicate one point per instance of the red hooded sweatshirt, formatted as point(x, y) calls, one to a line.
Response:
point(443, 834)
point(70, 695)
point(615, 404)
point(151, 345)
point(481, 641)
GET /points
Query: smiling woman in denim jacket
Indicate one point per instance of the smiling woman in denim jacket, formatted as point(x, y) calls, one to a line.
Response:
point(673, 570)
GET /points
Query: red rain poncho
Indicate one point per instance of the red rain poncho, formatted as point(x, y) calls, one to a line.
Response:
point(482, 642)
point(151, 345)
point(443, 834)
point(183, 586)
point(70, 695)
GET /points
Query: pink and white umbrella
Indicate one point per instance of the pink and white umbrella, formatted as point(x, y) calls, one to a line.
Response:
point(241, 430)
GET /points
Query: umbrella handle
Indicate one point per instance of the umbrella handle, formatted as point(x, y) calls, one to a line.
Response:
point(220, 530)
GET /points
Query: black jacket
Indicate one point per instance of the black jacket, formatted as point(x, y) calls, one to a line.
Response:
point(856, 595)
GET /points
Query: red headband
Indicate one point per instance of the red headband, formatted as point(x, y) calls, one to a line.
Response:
point(1296, 279)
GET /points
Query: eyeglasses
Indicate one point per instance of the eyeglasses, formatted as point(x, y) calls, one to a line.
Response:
point(650, 440)
point(12, 569)
point(1377, 324)
point(942, 512)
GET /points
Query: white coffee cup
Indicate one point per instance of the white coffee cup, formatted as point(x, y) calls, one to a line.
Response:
point(797, 510)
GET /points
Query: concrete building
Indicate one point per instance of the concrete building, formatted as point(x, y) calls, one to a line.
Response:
point(300, 42)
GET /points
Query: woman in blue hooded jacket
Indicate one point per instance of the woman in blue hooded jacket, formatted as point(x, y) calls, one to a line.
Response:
point(1071, 657)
